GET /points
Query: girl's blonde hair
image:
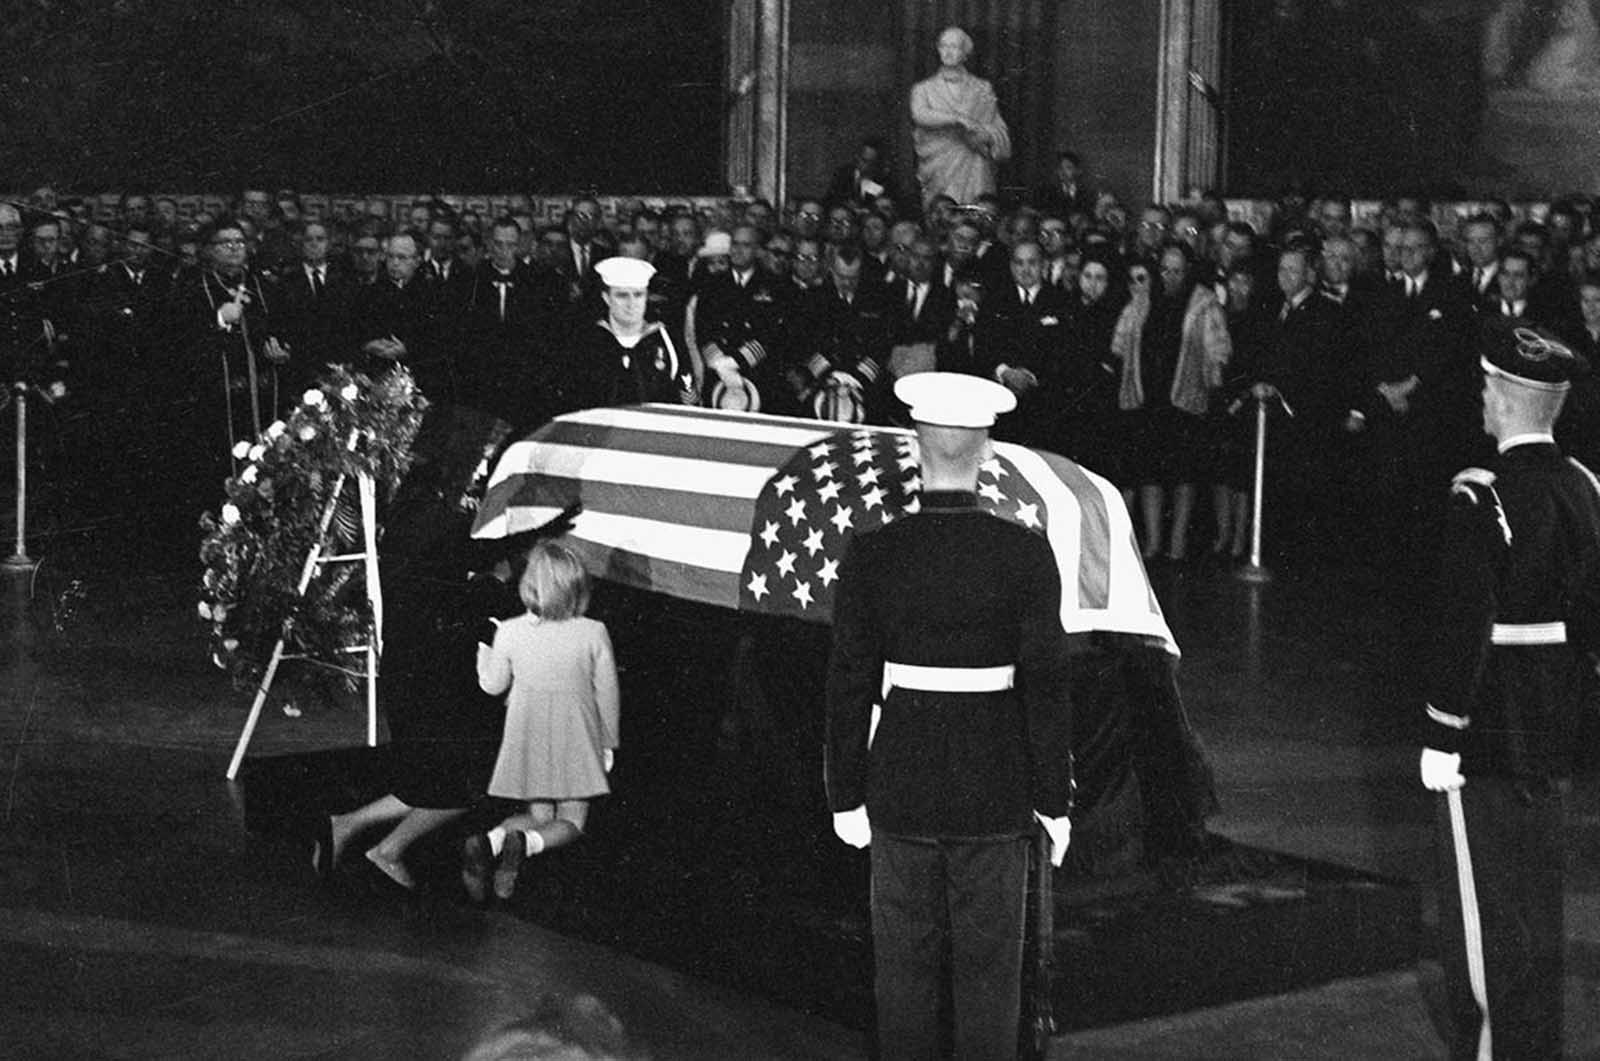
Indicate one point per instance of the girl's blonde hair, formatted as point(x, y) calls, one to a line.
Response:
point(554, 584)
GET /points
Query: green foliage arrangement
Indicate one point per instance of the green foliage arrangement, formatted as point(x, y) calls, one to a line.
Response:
point(255, 547)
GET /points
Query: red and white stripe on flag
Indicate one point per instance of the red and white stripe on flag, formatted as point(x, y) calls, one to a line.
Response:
point(753, 512)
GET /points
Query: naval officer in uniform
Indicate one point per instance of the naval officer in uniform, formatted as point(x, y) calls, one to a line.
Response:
point(949, 732)
point(1516, 633)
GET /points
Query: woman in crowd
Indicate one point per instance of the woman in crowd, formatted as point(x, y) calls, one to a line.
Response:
point(1089, 432)
point(1250, 329)
point(1174, 348)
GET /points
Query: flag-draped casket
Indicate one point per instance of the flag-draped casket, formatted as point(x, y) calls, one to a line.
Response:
point(753, 513)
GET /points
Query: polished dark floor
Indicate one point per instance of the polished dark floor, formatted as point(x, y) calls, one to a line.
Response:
point(139, 918)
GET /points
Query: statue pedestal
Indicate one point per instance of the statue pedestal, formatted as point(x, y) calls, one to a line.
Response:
point(1537, 144)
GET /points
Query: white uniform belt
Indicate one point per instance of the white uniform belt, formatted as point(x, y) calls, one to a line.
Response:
point(950, 679)
point(1529, 633)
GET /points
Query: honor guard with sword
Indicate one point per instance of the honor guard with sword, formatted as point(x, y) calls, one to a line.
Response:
point(1514, 641)
point(949, 733)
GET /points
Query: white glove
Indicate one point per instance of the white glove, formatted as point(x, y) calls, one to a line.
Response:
point(852, 826)
point(1441, 771)
point(1060, 830)
point(610, 759)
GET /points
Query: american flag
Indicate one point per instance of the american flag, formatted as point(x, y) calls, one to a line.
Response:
point(753, 512)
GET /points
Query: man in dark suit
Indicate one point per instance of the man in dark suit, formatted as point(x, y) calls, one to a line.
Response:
point(949, 619)
point(924, 307)
point(397, 321)
point(318, 305)
point(509, 320)
point(1304, 365)
point(1067, 194)
point(1480, 242)
point(1023, 338)
point(863, 179)
point(1421, 408)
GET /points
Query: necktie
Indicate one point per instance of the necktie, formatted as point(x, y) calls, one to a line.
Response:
point(503, 286)
point(316, 284)
point(583, 261)
point(1283, 314)
point(1477, 279)
point(5, 268)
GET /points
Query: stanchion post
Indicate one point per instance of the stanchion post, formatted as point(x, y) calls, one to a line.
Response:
point(19, 559)
point(1254, 571)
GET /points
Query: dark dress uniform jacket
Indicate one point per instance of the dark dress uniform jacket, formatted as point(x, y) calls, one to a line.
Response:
point(949, 587)
point(1513, 710)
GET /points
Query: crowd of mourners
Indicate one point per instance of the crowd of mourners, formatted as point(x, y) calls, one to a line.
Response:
point(1139, 340)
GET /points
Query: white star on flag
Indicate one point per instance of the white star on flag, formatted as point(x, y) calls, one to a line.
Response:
point(813, 542)
point(829, 491)
point(824, 471)
point(820, 449)
point(865, 456)
point(796, 512)
point(828, 573)
point(907, 461)
point(993, 467)
point(992, 492)
point(786, 562)
point(1028, 516)
point(868, 477)
point(784, 485)
point(912, 507)
point(769, 536)
point(872, 498)
point(802, 593)
point(842, 518)
point(758, 586)
point(911, 485)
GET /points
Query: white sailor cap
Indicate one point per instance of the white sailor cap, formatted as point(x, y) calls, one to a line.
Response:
point(629, 273)
point(718, 245)
point(954, 399)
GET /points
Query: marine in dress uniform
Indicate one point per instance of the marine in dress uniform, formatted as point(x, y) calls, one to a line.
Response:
point(950, 620)
point(1516, 632)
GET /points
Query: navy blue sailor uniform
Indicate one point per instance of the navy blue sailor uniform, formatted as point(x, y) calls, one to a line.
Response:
point(951, 618)
point(1514, 639)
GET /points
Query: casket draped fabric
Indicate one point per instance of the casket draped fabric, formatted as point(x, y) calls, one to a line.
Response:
point(753, 512)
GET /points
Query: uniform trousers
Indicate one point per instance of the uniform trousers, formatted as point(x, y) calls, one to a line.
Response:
point(955, 905)
point(1514, 843)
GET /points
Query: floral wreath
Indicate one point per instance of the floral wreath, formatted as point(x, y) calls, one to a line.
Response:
point(255, 547)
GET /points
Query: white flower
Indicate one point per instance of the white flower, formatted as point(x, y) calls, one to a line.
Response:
point(205, 610)
point(240, 448)
point(248, 475)
point(350, 392)
point(230, 513)
point(58, 390)
point(314, 397)
point(275, 429)
point(230, 644)
point(257, 451)
point(219, 612)
point(308, 432)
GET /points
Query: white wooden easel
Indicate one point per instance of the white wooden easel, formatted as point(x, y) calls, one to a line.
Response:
point(367, 494)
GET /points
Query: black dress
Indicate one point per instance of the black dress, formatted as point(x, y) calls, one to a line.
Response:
point(445, 731)
point(1165, 445)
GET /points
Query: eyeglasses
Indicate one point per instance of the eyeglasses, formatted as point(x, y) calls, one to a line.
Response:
point(807, 258)
point(812, 214)
point(227, 243)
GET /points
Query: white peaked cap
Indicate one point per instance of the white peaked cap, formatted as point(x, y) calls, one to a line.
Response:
point(954, 399)
point(629, 273)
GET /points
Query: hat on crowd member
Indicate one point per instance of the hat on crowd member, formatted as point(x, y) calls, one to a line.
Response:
point(840, 400)
point(954, 399)
point(631, 274)
point(741, 397)
point(718, 245)
point(1529, 357)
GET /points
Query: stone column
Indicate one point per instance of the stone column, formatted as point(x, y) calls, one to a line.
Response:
point(1188, 117)
point(757, 90)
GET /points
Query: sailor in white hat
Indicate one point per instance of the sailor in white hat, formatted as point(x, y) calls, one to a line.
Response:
point(949, 663)
point(625, 359)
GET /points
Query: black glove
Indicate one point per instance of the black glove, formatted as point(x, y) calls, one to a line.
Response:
point(486, 631)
